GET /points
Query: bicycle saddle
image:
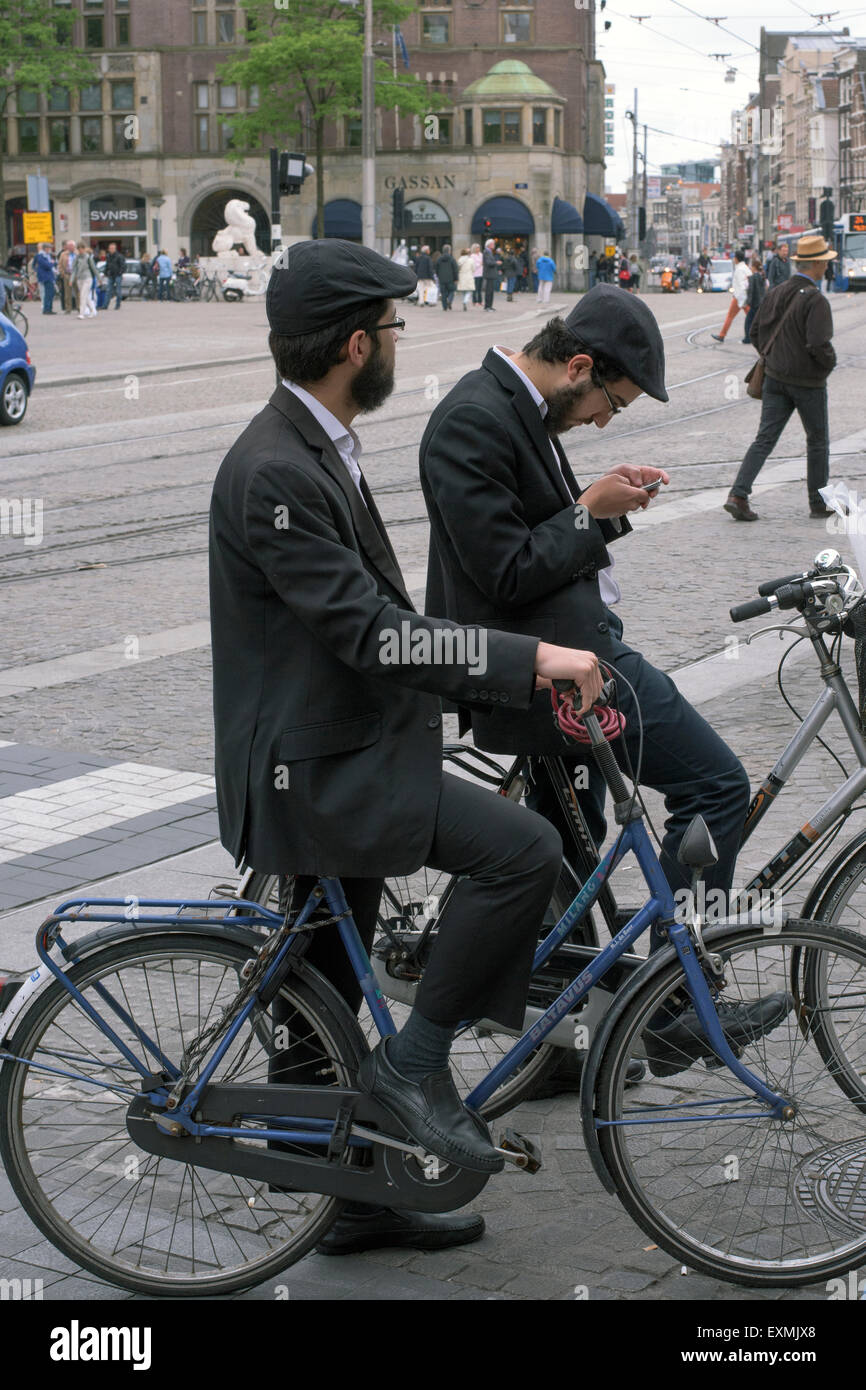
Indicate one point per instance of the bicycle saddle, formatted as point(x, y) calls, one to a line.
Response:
point(697, 849)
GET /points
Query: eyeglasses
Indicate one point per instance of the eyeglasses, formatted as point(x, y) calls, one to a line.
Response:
point(397, 323)
point(614, 409)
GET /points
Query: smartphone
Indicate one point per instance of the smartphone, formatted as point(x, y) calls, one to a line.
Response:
point(652, 487)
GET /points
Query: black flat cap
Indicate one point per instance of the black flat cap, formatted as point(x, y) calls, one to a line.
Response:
point(314, 284)
point(621, 327)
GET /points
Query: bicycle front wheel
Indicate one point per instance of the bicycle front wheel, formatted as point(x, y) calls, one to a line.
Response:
point(147, 1223)
point(696, 1158)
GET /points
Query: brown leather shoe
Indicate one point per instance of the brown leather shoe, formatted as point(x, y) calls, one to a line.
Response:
point(740, 509)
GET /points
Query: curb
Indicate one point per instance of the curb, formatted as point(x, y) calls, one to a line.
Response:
point(155, 371)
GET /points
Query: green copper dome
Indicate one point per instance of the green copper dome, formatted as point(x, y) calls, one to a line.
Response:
point(513, 79)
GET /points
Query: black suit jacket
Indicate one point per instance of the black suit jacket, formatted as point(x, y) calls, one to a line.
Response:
point(509, 547)
point(328, 735)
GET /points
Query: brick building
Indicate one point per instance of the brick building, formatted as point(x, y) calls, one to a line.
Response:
point(523, 127)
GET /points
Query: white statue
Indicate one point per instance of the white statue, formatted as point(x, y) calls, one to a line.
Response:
point(240, 229)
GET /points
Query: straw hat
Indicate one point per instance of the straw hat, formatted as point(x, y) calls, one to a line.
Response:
point(813, 248)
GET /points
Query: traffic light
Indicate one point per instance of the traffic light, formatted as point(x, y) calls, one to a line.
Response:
point(293, 171)
point(398, 212)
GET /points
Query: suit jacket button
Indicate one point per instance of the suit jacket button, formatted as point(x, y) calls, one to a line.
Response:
point(504, 697)
point(574, 578)
point(434, 721)
point(484, 694)
point(602, 627)
point(494, 694)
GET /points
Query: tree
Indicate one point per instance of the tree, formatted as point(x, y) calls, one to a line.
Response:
point(304, 58)
point(35, 55)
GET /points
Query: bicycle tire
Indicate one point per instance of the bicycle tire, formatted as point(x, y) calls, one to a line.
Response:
point(19, 319)
point(52, 1024)
point(475, 1052)
point(752, 1246)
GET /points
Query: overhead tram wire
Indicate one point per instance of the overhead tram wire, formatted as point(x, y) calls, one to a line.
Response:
point(716, 25)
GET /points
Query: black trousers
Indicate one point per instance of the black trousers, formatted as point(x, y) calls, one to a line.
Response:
point(508, 860)
point(778, 403)
point(683, 758)
point(489, 291)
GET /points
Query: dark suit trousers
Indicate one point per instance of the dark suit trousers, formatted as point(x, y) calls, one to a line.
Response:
point(489, 291)
point(683, 758)
point(508, 859)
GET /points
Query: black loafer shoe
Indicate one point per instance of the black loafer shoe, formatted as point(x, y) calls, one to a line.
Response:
point(674, 1047)
point(432, 1113)
point(377, 1228)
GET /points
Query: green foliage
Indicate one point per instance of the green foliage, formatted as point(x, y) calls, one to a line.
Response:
point(35, 48)
point(306, 56)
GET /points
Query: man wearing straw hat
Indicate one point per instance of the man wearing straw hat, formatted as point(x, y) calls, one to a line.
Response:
point(792, 330)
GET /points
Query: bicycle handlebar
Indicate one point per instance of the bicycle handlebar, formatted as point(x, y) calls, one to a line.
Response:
point(770, 586)
point(755, 606)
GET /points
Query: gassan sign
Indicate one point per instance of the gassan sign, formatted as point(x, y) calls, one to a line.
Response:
point(117, 212)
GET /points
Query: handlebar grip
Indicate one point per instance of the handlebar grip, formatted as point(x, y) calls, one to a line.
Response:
point(565, 687)
point(741, 611)
point(770, 586)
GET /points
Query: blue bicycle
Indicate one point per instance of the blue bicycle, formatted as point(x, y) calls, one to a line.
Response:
point(143, 1131)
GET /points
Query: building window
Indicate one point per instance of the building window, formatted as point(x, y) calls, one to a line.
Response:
point(253, 97)
point(90, 97)
point(199, 28)
point(557, 127)
point(443, 136)
point(202, 96)
point(58, 136)
point(516, 26)
point(120, 141)
point(501, 127)
point(121, 30)
point(28, 137)
point(122, 96)
point(435, 28)
point(539, 125)
point(202, 141)
point(28, 101)
point(94, 26)
point(467, 128)
point(91, 134)
point(226, 141)
point(228, 95)
point(353, 132)
point(226, 28)
point(58, 99)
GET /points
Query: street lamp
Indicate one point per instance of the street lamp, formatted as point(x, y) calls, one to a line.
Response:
point(368, 129)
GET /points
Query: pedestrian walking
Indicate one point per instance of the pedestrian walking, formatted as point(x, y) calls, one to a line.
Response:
point(511, 270)
point(755, 292)
point(635, 276)
point(45, 272)
point(830, 275)
point(466, 278)
point(545, 269)
point(593, 268)
point(779, 268)
point(68, 288)
point(492, 273)
point(164, 272)
point(477, 272)
point(523, 275)
point(426, 283)
point(792, 332)
point(83, 276)
point(533, 267)
point(115, 264)
point(624, 273)
point(446, 273)
point(739, 290)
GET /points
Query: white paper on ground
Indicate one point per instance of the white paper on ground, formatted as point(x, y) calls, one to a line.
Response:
point(852, 512)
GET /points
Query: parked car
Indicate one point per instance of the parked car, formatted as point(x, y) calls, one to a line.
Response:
point(17, 374)
point(721, 274)
point(131, 279)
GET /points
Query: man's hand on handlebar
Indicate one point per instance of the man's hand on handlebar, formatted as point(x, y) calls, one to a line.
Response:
point(567, 663)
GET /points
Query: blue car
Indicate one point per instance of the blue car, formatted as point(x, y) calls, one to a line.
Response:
point(17, 374)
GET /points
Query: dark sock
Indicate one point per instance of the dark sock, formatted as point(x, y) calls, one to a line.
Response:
point(421, 1047)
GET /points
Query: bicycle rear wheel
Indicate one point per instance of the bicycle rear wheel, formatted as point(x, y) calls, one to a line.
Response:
point(695, 1157)
point(144, 1222)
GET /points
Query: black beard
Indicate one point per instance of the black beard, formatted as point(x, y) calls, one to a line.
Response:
point(560, 405)
point(373, 384)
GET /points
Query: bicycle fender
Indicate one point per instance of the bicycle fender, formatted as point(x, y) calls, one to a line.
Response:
point(621, 1000)
point(836, 865)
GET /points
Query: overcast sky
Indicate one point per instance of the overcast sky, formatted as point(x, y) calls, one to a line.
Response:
point(681, 88)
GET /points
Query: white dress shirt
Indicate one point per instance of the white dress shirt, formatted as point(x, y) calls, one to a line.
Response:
point(344, 438)
point(608, 587)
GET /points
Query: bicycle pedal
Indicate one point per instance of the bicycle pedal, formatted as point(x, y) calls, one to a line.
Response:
point(519, 1150)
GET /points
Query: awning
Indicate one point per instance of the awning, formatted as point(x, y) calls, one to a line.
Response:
point(565, 217)
point(342, 219)
point(507, 217)
point(600, 219)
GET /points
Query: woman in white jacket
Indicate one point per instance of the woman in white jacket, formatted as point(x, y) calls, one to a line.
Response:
point(739, 290)
point(466, 277)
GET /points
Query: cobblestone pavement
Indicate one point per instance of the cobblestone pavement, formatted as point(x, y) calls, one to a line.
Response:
point(106, 665)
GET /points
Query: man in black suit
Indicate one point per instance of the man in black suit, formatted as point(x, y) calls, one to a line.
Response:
point(516, 543)
point(492, 273)
point(327, 710)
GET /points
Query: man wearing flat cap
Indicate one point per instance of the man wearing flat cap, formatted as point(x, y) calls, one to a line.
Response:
point(329, 731)
point(516, 542)
point(792, 330)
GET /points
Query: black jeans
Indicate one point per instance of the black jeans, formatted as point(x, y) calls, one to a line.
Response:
point(778, 404)
point(683, 758)
point(446, 294)
point(479, 281)
point(489, 291)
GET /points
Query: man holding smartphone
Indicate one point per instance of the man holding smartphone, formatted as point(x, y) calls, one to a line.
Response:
point(516, 543)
